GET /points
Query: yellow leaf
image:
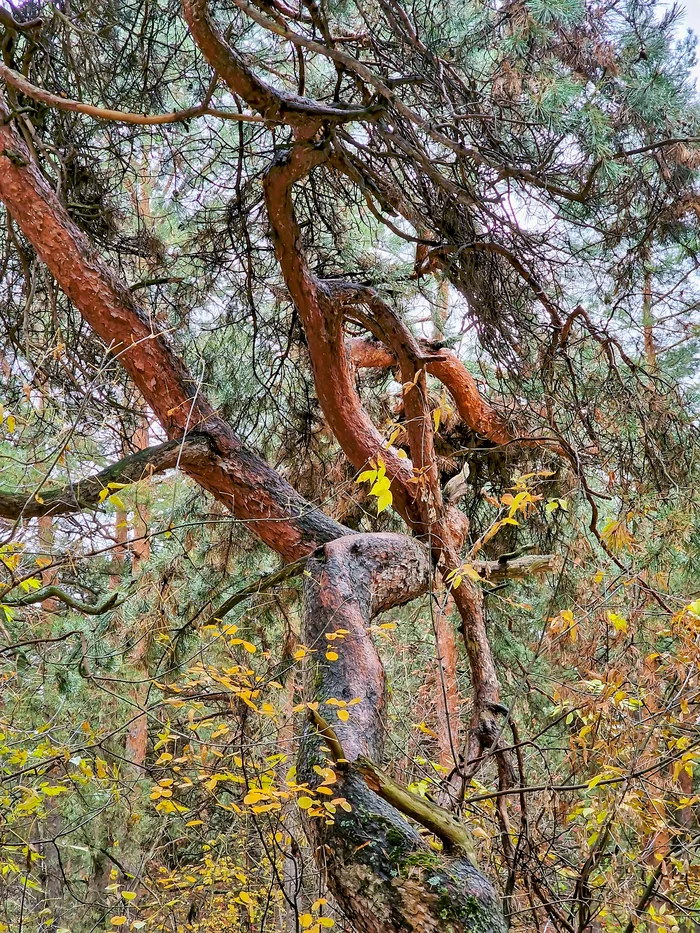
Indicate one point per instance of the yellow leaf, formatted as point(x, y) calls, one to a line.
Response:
point(618, 622)
point(331, 656)
point(343, 715)
point(118, 921)
point(384, 501)
point(129, 895)
point(305, 920)
point(423, 728)
point(472, 573)
point(380, 486)
point(116, 501)
point(304, 803)
point(493, 530)
point(10, 423)
point(250, 648)
point(436, 418)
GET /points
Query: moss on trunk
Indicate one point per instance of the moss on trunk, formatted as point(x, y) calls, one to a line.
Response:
point(381, 871)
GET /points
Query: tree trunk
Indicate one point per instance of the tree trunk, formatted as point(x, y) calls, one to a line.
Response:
point(379, 868)
point(232, 473)
point(381, 871)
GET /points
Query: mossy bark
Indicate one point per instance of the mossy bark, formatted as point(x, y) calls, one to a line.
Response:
point(377, 865)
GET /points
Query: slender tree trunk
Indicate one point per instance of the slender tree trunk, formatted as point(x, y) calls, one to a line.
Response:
point(648, 322)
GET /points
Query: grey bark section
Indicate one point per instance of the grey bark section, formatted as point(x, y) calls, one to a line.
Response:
point(193, 454)
point(385, 877)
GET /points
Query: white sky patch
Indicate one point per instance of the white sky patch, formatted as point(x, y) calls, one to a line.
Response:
point(691, 20)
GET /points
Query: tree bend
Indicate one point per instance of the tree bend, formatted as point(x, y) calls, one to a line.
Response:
point(383, 874)
point(85, 493)
point(233, 474)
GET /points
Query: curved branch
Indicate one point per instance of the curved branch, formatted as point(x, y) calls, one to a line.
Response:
point(476, 413)
point(322, 318)
point(454, 835)
point(102, 113)
point(9, 22)
point(55, 592)
point(383, 321)
point(273, 104)
point(235, 475)
point(85, 494)
point(320, 308)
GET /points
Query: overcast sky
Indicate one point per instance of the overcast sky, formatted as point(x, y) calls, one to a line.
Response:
point(691, 20)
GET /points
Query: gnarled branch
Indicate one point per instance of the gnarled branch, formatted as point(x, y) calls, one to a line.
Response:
point(120, 116)
point(85, 493)
point(446, 366)
point(273, 104)
point(55, 592)
point(233, 474)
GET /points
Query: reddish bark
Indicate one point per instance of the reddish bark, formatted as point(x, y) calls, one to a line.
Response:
point(476, 413)
point(141, 545)
point(48, 577)
point(418, 494)
point(136, 742)
point(446, 689)
point(381, 320)
point(323, 326)
point(363, 575)
point(439, 701)
point(232, 473)
point(273, 104)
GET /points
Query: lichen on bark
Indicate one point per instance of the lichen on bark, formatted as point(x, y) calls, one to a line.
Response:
point(376, 863)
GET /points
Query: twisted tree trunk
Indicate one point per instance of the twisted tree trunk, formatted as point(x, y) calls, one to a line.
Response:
point(381, 871)
point(379, 868)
